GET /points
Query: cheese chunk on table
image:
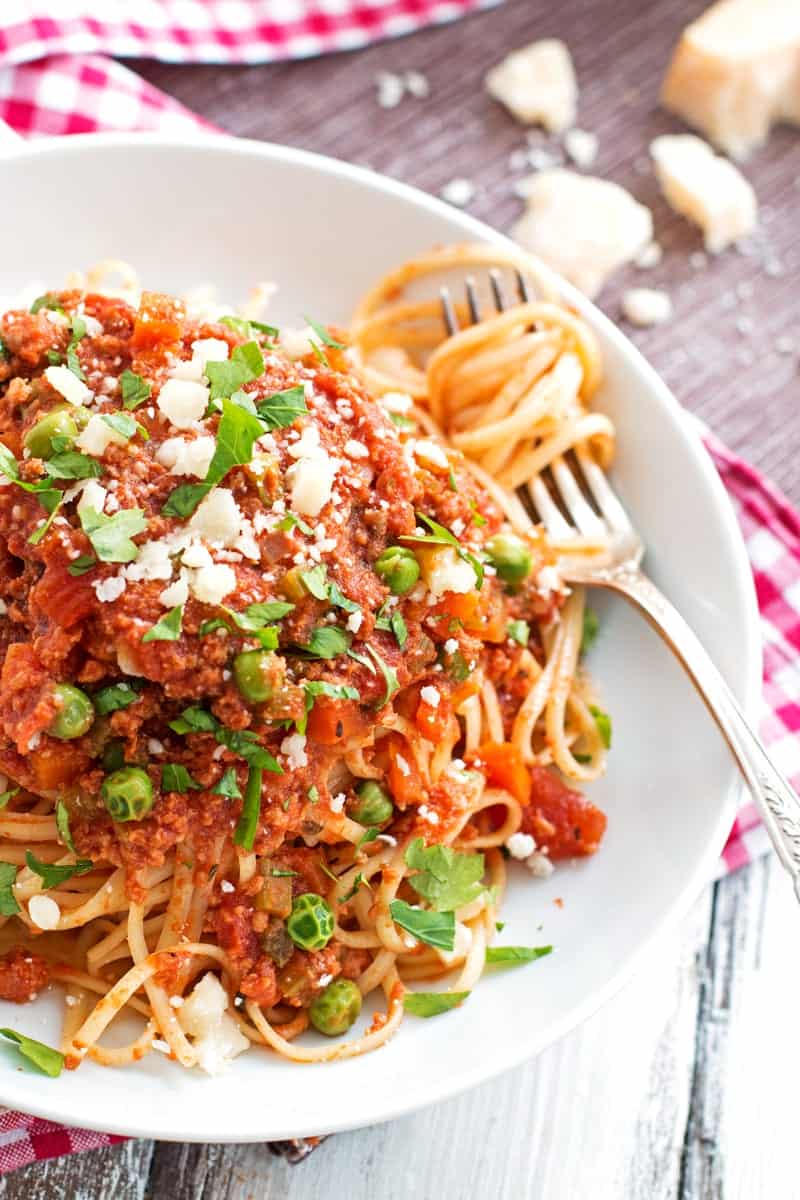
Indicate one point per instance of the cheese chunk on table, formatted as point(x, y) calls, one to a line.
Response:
point(706, 188)
point(537, 85)
point(736, 72)
point(581, 226)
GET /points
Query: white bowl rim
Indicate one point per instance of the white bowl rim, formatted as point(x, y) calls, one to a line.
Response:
point(749, 694)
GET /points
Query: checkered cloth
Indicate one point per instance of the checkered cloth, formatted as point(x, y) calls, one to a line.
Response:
point(55, 79)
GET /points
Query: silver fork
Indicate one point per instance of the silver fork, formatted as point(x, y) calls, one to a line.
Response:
point(575, 500)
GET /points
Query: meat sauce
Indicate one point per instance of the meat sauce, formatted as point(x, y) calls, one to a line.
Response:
point(64, 621)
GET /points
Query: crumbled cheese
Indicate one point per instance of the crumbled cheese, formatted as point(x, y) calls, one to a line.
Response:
point(296, 343)
point(67, 384)
point(427, 814)
point(581, 146)
point(182, 457)
point(459, 192)
point(646, 306)
point(92, 495)
point(152, 562)
point(207, 350)
point(354, 449)
point(649, 257)
point(97, 436)
point(177, 592)
point(204, 1017)
point(183, 402)
point(196, 555)
point(431, 453)
point(108, 590)
point(311, 477)
point(549, 580)
point(462, 944)
point(402, 765)
point(354, 621)
point(44, 912)
point(218, 518)
point(294, 747)
point(539, 865)
point(444, 572)
point(736, 72)
point(390, 89)
point(520, 845)
point(154, 746)
point(160, 1045)
point(227, 887)
point(430, 695)
point(399, 402)
point(337, 803)
point(537, 85)
point(212, 584)
point(583, 227)
point(450, 646)
point(706, 188)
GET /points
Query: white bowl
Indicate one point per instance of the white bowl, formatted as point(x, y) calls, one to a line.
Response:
point(235, 212)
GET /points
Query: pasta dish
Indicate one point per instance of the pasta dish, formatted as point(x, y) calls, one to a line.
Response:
point(289, 671)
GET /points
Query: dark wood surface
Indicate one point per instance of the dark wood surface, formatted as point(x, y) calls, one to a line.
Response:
point(731, 353)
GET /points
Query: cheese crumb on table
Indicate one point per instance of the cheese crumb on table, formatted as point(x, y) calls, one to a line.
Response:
point(537, 85)
point(459, 192)
point(705, 188)
point(646, 306)
point(581, 146)
point(583, 227)
point(736, 72)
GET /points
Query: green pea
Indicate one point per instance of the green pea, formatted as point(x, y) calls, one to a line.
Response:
point(398, 568)
point(75, 712)
point(128, 794)
point(310, 923)
point(254, 672)
point(373, 806)
point(510, 557)
point(58, 423)
point(334, 1010)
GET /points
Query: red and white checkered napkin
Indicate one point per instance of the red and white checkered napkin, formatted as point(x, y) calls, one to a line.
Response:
point(55, 79)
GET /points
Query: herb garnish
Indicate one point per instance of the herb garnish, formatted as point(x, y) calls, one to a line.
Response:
point(52, 875)
point(243, 742)
point(283, 408)
point(73, 465)
point(135, 390)
point(125, 426)
point(44, 1057)
point(393, 624)
point(111, 536)
point(245, 328)
point(603, 722)
point(389, 677)
point(62, 825)
point(236, 436)
point(292, 521)
point(168, 629)
point(434, 928)
point(351, 891)
point(78, 327)
point(323, 334)
point(114, 697)
point(245, 364)
point(512, 956)
point(175, 778)
point(327, 641)
point(48, 300)
point(8, 902)
point(245, 832)
point(81, 565)
point(440, 536)
point(444, 877)
point(591, 628)
point(228, 785)
point(519, 632)
point(431, 1004)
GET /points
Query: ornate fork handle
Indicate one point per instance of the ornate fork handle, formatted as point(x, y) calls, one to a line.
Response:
point(778, 802)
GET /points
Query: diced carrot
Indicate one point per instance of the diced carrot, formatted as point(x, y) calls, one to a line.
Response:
point(433, 721)
point(53, 767)
point(402, 775)
point(157, 330)
point(501, 763)
point(332, 721)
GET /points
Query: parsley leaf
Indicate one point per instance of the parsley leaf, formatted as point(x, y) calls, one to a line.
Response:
point(402, 421)
point(245, 743)
point(228, 785)
point(245, 364)
point(245, 328)
point(315, 582)
point(519, 631)
point(445, 878)
point(245, 832)
point(369, 835)
point(283, 408)
point(393, 624)
point(603, 722)
point(389, 677)
point(433, 928)
point(7, 795)
point(439, 536)
point(114, 697)
point(168, 629)
point(124, 425)
point(195, 720)
point(135, 390)
point(49, 497)
point(48, 300)
point(52, 875)
point(111, 536)
point(512, 956)
point(268, 610)
point(327, 641)
point(81, 565)
point(44, 1057)
point(42, 529)
point(292, 521)
point(591, 628)
point(338, 599)
point(78, 327)
point(323, 334)
point(236, 435)
point(351, 891)
point(8, 902)
point(431, 1004)
point(175, 778)
point(4, 350)
point(73, 465)
point(62, 825)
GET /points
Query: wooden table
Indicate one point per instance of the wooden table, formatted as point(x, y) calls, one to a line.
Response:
point(680, 1087)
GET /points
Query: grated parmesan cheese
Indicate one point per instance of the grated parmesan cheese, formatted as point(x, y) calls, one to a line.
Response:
point(537, 85)
point(182, 457)
point(646, 306)
point(705, 188)
point(218, 518)
point(44, 912)
point(67, 384)
point(97, 436)
point(294, 747)
point(204, 1016)
point(212, 584)
point(182, 401)
point(520, 845)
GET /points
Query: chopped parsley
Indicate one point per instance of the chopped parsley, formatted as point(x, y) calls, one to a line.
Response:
point(351, 891)
point(135, 390)
point(323, 334)
point(402, 421)
point(512, 956)
point(78, 327)
point(124, 425)
point(315, 581)
point(338, 599)
point(168, 629)
point(52, 875)
point(393, 623)
point(389, 677)
point(42, 529)
point(444, 877)
point(48, 300)
point(245, 328)
point(48, 496)
point(62, 825)
point(175, 778)
point(243, 742)
point(236, 436)
point(327, 641)
point(114, 697)
point(81, 565)
point(245, 832)
point(519, 632)
point(431, 1004)
point(4, 350)
point(437, 929)
point(111, 536)
point(283, 408)
point(245, 364)
point(292, 521)
point(228, 785)
point(72, 465)
point(603, 722)
point(8, 902)
point(195, 720)
point(313, 793)
point(7, 795)
point(369, 835)
point(47, 1059)
point(591, 628)
point(440, 536)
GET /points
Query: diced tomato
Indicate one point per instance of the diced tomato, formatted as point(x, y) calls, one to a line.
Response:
point(482, 613)
point(60, 597)
point(402, 775)
point(333, 721)
point(157, 330)
point(433, 721)
point(501, 763)
point(561, 820)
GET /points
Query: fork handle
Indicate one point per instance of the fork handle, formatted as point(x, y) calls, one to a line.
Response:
point(778, 802)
